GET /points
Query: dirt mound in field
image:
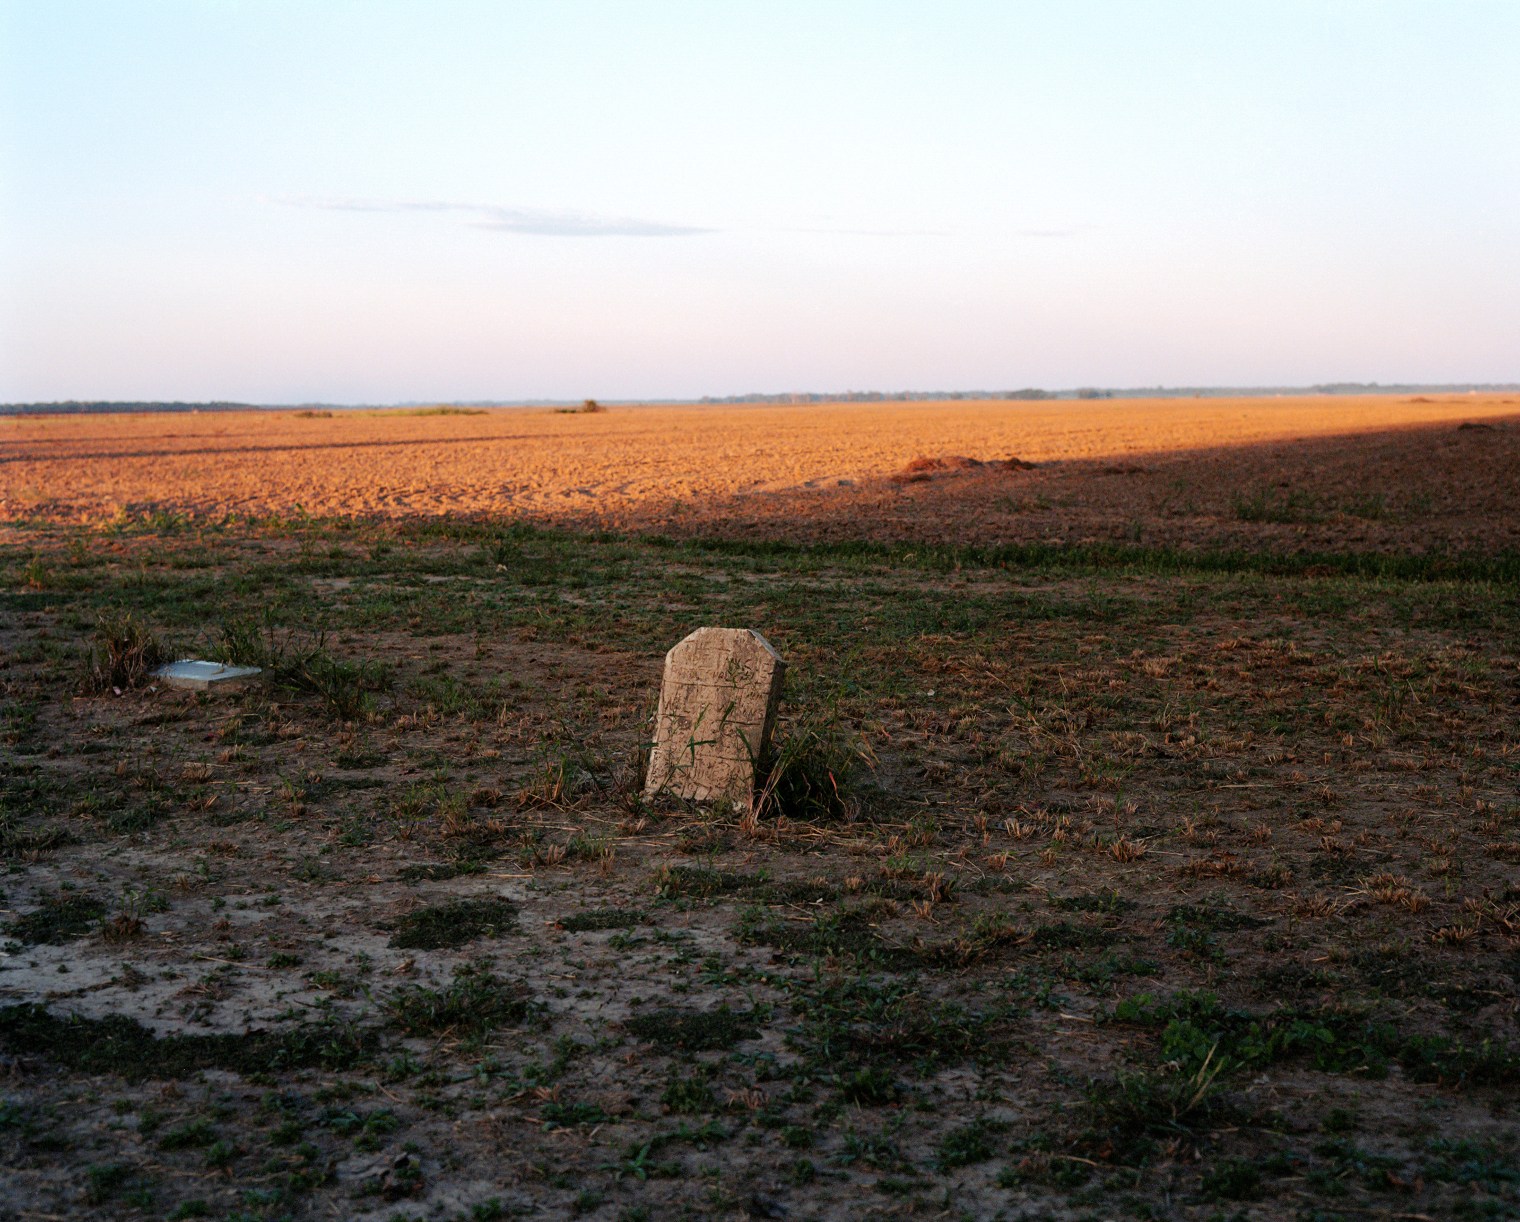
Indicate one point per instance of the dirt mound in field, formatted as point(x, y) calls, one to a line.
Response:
point(922, 469)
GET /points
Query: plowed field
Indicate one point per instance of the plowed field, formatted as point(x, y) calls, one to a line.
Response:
point(1342, 471)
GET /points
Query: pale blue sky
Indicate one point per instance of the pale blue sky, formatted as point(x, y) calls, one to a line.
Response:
point(375, 202)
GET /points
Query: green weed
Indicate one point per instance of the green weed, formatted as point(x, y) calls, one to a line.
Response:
point(857, 1022)
point(454, 924)
point(1131, 1109)
point(474, 1003)
point(1232, 1179)
point(689, 1094)
point(597, 919)
point(694, 1030)
point(301, 662)
point(969, 1143)
point(122, 1046)
point(60, 918)
point(813, 774)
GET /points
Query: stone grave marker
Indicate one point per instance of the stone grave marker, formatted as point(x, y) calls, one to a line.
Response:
point(717, 707)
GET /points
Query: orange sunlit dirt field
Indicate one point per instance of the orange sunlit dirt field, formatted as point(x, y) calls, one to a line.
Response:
point(1411, 471)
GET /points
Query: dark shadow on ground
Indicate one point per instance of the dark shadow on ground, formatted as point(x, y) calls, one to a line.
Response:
point(1448, 487)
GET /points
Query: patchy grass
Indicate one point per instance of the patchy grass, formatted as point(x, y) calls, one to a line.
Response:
point(123, 655)
point(60, 918)
point(1273, 505)
point(597, 919)
point(124, 1047)
point(474, 1003)
point(454, 924)
point(816, 772)
point(855, 1023)
point(694, 1030)
point(303, 663)
point(1109, 880)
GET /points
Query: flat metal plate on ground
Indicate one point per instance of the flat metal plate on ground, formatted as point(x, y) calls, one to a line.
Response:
point(201, 676)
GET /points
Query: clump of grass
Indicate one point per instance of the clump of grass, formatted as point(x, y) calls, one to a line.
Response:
point(695, 1030)
point(1109, 901)
point(558, 783)
point(969, 1143)
point(699, 882)
point(344, 687)
point(871, 1086)
point(360, 758)
point(1063, 935)
point(188, 1136)
point(120, 1045)
point(1126, 1113)
point(859, 1023)
point(601, 918)
point(437, 872)
point(454, 924)
point(302, 663)
point(474, 1003)
point(1204, 916)
point(813, 774)
point(569, 1115)
point(1232, 1179)
point(59, 919)
point(126, 925)
point(425, 800)
point(1269, 505)
point(839, 935)
point(1372, 505)
point(689, 1094)
point(124, 654)
point(106, 1182)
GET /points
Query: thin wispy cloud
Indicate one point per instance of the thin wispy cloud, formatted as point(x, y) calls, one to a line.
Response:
point(1071, 231)
point(851, 232)
point(540, 222)
point(571, 223)
point(580, 225)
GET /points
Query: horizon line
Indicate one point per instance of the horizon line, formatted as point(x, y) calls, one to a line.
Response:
point(1025, 394)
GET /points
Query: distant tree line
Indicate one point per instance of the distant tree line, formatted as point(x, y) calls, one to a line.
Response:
point(1131, 392)
point(76, 406)
point(882, 396)
point(1028, 393)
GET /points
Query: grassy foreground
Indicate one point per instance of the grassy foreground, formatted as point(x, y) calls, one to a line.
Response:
point(1143, 884)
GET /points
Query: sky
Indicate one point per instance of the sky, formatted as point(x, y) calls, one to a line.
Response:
point(375, 201)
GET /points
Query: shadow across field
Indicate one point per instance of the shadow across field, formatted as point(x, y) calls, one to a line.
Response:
point(1384, 472)
point(1414, 489)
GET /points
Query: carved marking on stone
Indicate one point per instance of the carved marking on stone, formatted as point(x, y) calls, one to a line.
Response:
point(717, 707)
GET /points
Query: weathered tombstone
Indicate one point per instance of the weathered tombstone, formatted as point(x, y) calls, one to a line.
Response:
point(717, 706)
